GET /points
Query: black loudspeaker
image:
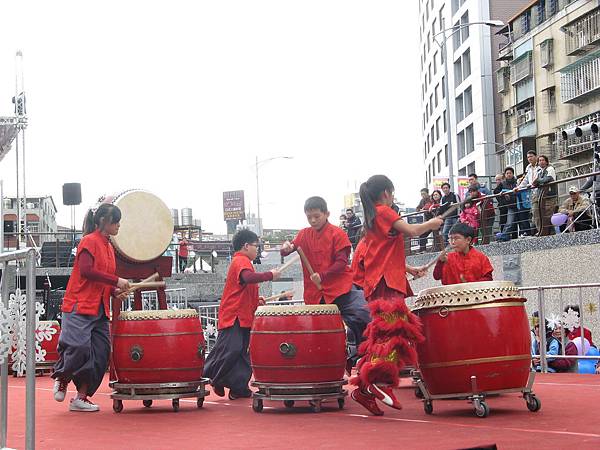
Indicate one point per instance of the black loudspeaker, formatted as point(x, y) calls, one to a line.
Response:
point(72, 194)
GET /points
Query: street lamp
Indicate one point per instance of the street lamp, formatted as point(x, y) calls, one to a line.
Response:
point(442, 46)
point(257, 162)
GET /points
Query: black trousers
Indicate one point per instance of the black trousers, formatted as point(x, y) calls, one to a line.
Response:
point(84, 349)
point(228, 363)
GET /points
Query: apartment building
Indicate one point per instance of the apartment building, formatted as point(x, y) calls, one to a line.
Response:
point(41, 218)
point(549, 81)
point(471, 57)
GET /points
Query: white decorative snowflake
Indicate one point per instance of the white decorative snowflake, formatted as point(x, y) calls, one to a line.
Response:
point(553, 322)
point(570, 319)
point(210, 331)
point(5, 336)
point(18, 332)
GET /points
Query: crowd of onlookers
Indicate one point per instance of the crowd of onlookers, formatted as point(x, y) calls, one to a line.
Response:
point(524, 206)
point(562, 339)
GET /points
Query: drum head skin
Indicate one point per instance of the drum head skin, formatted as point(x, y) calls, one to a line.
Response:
point(146, 226)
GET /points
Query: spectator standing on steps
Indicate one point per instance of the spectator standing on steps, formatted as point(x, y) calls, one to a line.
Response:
point(424, 205)
point(353, 227)
point(488, 214)
point(448, 199)
point(548, 196)
point(532, 173)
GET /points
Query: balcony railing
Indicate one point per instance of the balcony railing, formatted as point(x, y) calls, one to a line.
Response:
point(521, 68)
point(579, 79)
point(583, 33)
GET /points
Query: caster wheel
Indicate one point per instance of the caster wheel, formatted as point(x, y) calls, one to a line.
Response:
point(341, 403)
point(257, 405)
point(288, 403)
point(533, 403)
point(315, 406)
point(428, 407)
point(482, 410)
point(147, 403)
point(200, 402)
point(418, 393)
point(117, 406)
point(175, 404)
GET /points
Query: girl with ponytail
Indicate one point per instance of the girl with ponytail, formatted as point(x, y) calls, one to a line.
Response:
point(394, 330)
point(84, 342)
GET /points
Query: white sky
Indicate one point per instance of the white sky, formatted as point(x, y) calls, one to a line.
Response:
point(179, 97)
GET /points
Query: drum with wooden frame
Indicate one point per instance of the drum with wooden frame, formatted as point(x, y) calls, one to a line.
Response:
point(298, 344)
point(472, 330)
point(161, 346)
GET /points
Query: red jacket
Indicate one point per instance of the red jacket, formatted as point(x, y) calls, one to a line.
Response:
point(239, 300)
point(86, 295)
point(321, 248)
point(358, 263)
point(384, 257)
point(461, 268)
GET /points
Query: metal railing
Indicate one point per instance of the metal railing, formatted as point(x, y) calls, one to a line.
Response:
point(209, 317)
point(29, 256)
point(543, 304)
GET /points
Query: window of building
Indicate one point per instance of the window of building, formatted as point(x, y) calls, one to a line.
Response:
point(466, 64)
point(456, 36)
point(433, 166)
point(549, 99)
point(441, 18)
point(431, 104)
point(437, 129)
point(546, 56)
point(460, 140)
point(439, 161)
point(469, 140)
point(435, 94)
point(443, 87)
point(444, 115)
point(435, 56)
point(429, 73)
point(468, 100)
point(432, 136)
point(458, 72)
point(462, 172)
point(471, 168)
point(460, 112)
point(446, 156)
point(433, 27)
point(464, 32)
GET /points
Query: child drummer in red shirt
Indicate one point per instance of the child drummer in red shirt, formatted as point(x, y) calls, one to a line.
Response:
point(327, 248)
point(228, 363)
point(465, 264)
point(391, 335)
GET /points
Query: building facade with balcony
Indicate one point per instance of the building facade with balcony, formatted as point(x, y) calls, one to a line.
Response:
point(471, 55)
point(41, 218)
point(549, 80)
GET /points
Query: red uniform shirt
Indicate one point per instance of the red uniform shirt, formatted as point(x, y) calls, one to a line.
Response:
point(384, 256)
point(183, 248)
point(358, 263)
point(88, 295)
point(321, 249)
point(461, 268)
point(239, 300)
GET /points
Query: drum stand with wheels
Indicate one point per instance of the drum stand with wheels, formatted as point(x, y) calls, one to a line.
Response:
point(476, 397)
point(158, 391)
point(314, 393)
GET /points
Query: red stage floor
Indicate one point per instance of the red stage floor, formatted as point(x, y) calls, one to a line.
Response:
point(568, 419)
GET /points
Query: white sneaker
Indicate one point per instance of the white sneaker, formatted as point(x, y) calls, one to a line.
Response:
point(60, 389)
point(83, 405)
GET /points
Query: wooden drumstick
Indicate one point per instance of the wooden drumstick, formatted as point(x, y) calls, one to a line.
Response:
point(144, 285)
point(152, 277)
point(306, 263)
point(435, 260)
point(289, 262)
point(278, 296)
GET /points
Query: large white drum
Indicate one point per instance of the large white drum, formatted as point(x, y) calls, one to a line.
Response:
point(146, 225)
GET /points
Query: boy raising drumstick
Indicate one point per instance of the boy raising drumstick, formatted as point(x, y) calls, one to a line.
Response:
point(327, 248)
